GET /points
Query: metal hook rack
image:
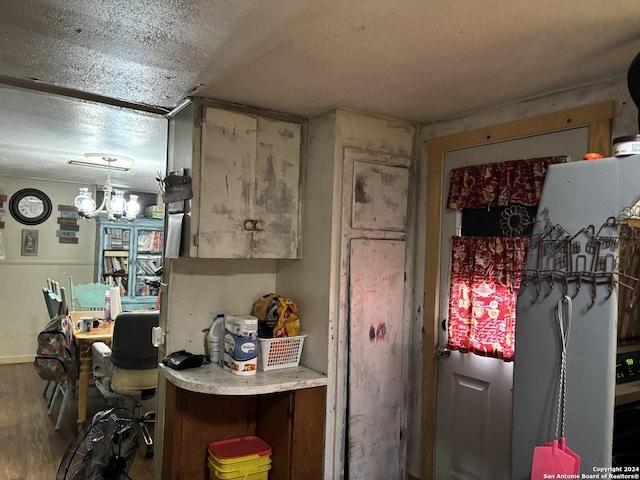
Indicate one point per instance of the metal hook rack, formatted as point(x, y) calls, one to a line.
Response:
point(589, 256)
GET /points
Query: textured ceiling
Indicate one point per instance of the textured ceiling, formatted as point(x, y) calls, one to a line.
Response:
point(418, 60)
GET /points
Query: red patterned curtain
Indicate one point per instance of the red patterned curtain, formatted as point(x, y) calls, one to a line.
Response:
point(499, 184)
point(484, 289)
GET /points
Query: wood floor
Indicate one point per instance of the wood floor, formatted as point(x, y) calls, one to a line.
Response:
point(30, 448)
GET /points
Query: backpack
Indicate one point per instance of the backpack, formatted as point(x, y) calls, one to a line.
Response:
point(56, 356)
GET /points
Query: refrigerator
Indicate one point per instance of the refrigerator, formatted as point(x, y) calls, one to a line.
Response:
point(580, 204)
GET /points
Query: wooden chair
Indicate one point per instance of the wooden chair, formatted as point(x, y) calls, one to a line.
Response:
point(50, 302)
point(53, 297)
point(54, 302)
point(88, 296)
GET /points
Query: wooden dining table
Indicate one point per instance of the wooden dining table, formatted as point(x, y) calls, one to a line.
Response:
point(102, 333)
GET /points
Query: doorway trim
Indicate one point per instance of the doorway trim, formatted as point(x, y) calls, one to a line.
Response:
point(596, 116)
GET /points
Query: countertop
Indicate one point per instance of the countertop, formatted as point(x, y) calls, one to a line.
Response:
point(212, 379)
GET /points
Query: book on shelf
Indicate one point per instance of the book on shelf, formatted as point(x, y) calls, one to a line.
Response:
point(148, 267)
point(113, 265)
point(143, 289)
point(119, 282)
point(116, 238)
point(150, 240)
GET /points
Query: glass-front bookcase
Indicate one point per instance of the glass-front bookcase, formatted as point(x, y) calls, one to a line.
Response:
point(129, 256)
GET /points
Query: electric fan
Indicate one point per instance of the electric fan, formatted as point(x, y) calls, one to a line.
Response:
point(105, 451)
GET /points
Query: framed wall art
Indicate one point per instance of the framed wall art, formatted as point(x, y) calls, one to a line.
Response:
point(29, 245)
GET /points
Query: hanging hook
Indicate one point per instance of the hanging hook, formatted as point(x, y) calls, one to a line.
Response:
point(611, 280)
point(624, 285)
point(594, 294)
point(577, 278)
point(618, 272)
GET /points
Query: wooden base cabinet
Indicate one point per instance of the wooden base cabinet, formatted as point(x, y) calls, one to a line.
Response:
point(291, 422)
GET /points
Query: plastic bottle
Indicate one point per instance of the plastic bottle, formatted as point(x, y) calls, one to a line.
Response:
point(107, 305)
point(214, 339)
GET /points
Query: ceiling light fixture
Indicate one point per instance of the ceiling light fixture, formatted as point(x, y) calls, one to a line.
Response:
point(115, 208)
point(92, 164)
point(104, 160)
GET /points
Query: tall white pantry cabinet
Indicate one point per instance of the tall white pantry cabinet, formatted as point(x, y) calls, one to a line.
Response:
point(354, 287)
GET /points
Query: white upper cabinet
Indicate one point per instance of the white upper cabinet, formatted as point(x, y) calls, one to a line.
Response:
point(246, 187)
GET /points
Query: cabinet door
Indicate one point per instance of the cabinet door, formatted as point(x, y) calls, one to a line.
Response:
point(276, 199)
point(292, 423)
point(376, 397)
point(249, 184)
point(227, 183)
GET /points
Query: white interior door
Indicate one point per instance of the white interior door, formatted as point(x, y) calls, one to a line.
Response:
point(474, 398)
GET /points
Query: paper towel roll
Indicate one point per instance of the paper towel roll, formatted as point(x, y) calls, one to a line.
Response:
point(116, 302)
point(242, 325)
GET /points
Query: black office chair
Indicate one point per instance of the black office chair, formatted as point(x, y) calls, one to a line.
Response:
point(129, 369)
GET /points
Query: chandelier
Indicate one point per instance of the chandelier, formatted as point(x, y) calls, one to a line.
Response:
point(115, 208)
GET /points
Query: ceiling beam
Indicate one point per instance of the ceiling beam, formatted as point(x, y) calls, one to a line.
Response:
point(37, 85)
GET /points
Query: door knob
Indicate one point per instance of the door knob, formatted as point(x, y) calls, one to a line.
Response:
point(444, 351)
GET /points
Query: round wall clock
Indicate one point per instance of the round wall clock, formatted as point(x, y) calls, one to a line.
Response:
point(30, 206)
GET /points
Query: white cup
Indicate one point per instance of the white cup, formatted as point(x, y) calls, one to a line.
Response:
point(86, 323)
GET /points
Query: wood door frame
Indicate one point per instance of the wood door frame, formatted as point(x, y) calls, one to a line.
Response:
point(596, 116)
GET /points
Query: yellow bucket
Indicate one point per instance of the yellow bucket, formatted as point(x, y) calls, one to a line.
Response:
point(243, 458)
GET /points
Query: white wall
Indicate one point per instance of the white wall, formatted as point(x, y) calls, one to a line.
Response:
point(201, 288)
point(23, 312)
point(307, 280)
point(624, 123)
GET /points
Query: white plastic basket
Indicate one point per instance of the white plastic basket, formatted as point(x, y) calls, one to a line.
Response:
point(281, 352)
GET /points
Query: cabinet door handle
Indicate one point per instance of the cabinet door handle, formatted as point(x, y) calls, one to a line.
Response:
point(249, 225)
